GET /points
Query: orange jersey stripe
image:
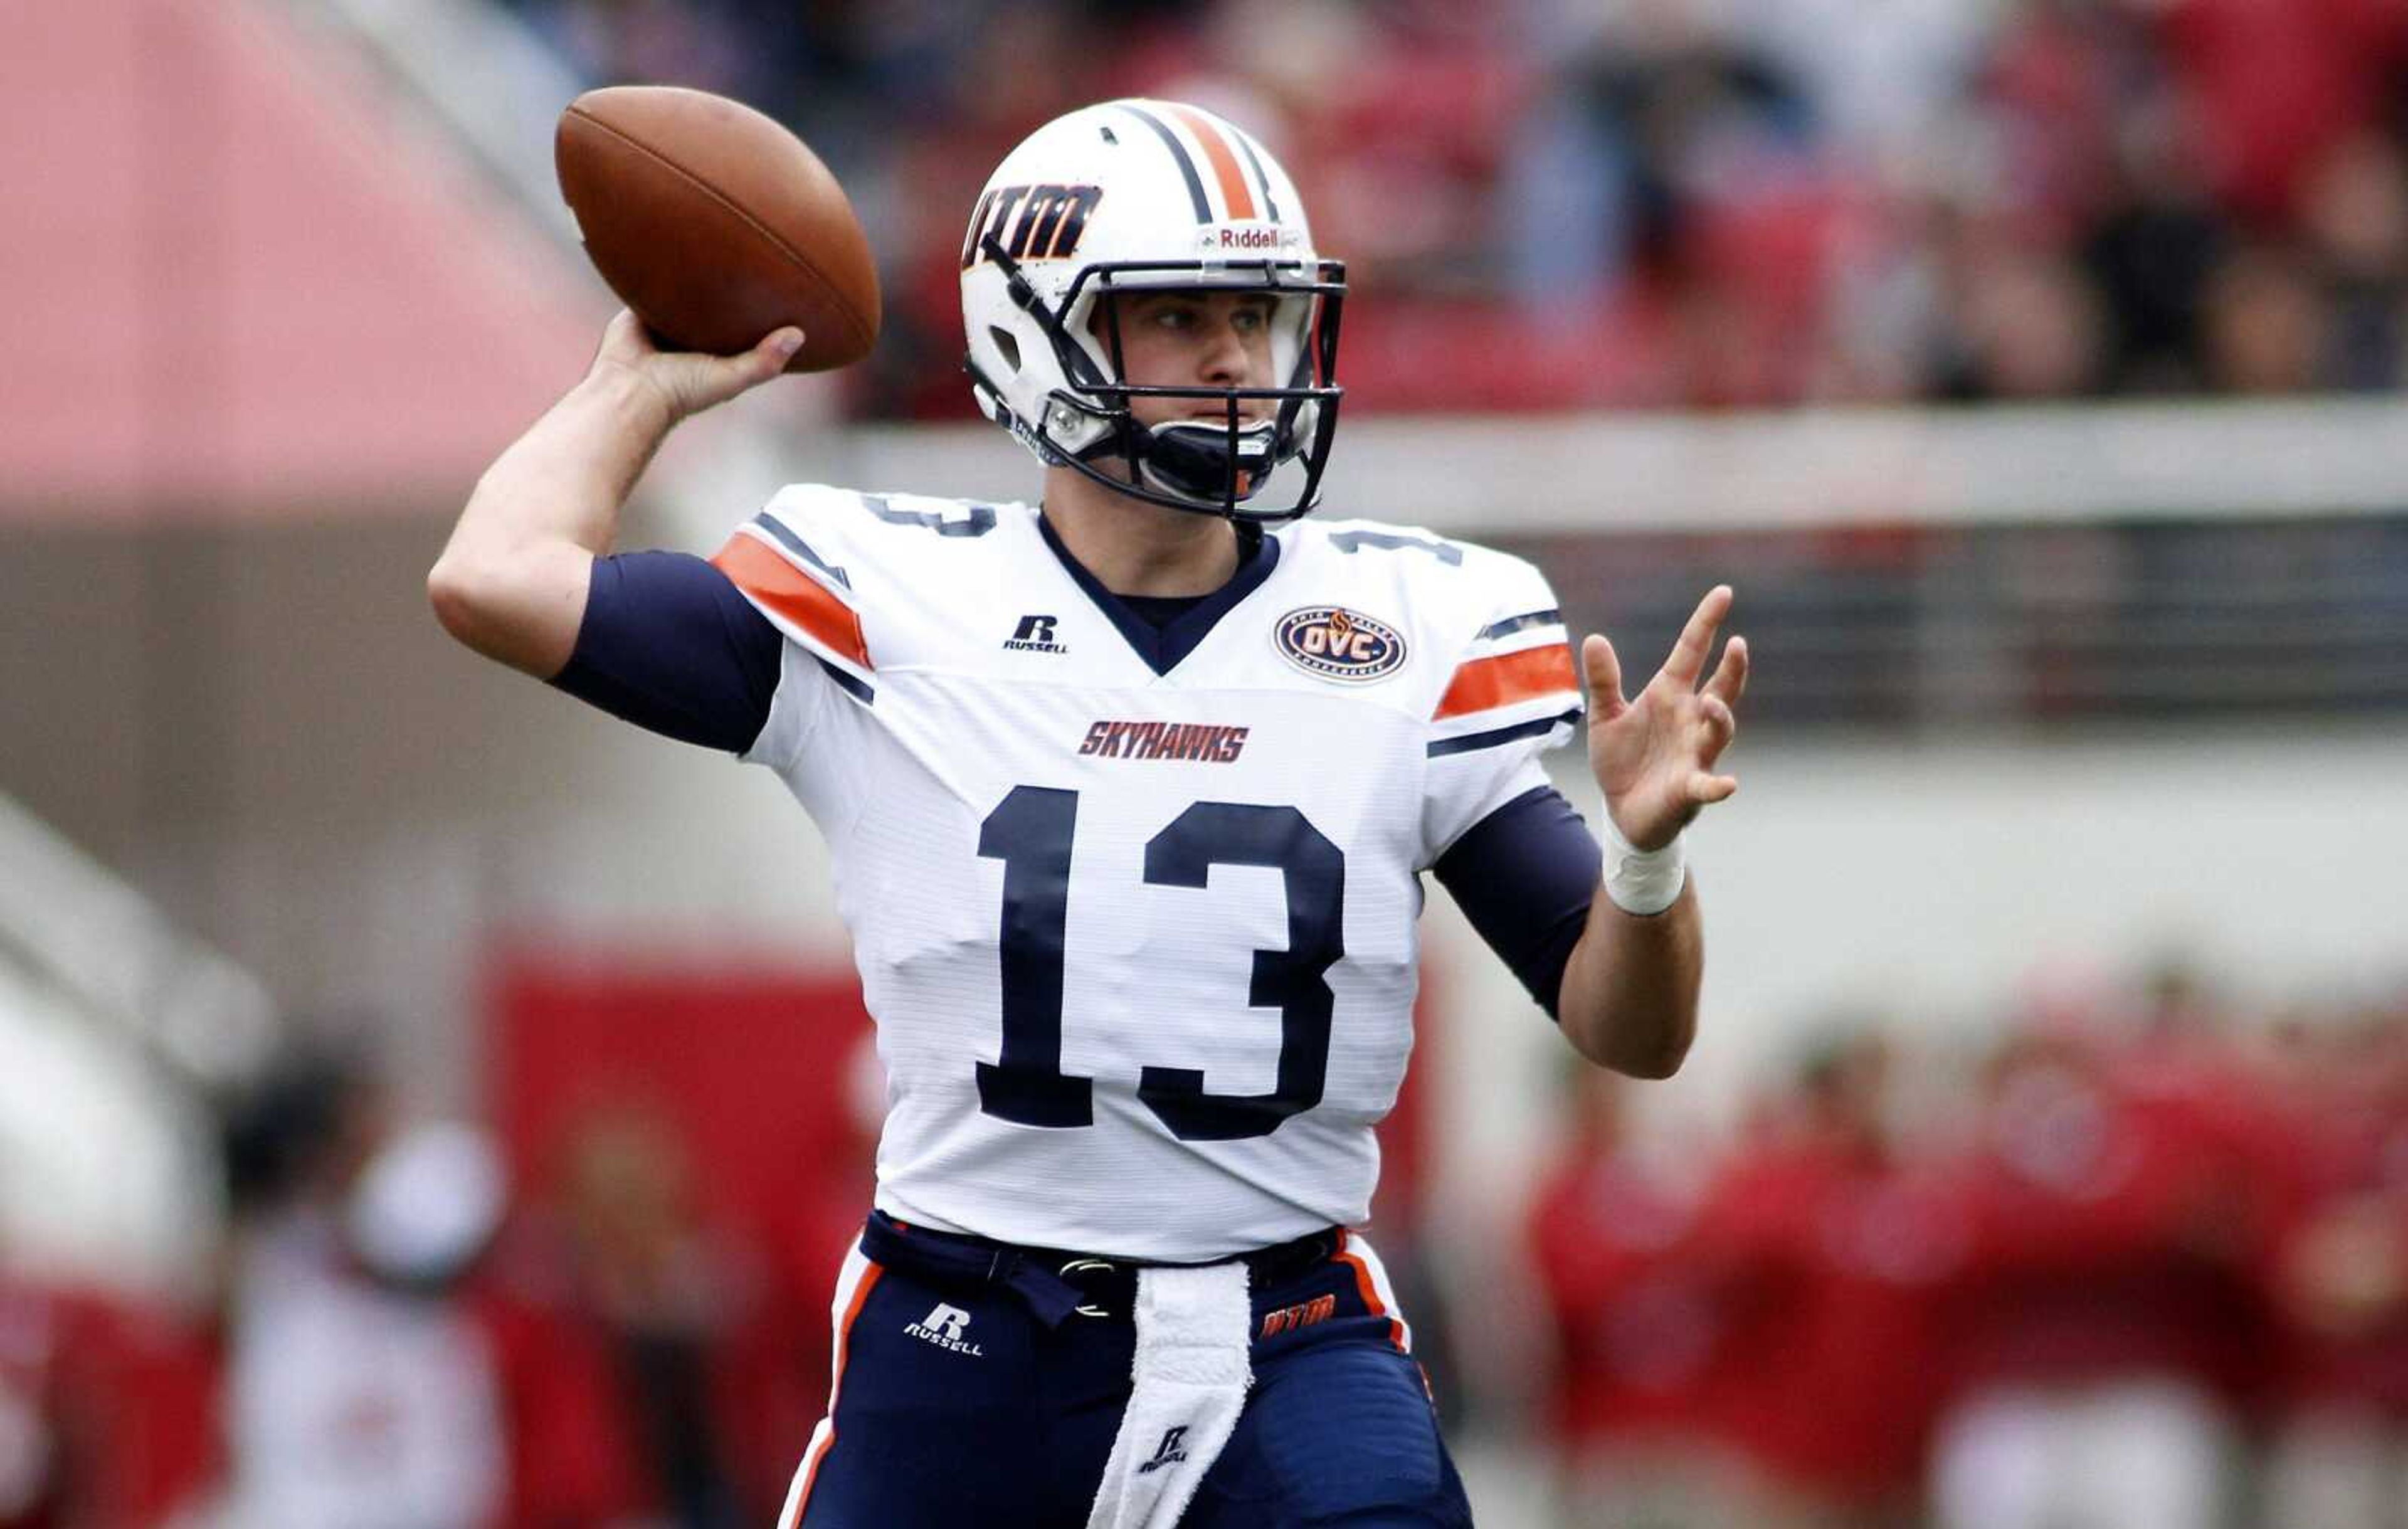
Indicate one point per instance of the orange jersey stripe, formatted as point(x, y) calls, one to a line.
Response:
point(827, 1441)
point(793, 595)
point(1234, 189)
point(1509, 677)
point(1366, 1289)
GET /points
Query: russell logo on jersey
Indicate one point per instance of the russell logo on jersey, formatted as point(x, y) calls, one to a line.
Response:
point(1335, 643)
point(1035, 634)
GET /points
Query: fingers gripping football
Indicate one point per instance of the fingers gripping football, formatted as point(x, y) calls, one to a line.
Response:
point(690, 382)
point(1654, 756)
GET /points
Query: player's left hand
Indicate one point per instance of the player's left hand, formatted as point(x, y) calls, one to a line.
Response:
point(1655, 756)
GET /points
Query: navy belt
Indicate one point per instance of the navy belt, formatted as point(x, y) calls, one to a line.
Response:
point(1057, 1283)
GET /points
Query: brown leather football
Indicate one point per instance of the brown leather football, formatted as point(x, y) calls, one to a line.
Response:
point(716, 224)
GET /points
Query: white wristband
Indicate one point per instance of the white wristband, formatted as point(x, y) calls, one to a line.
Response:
point(1642, 881)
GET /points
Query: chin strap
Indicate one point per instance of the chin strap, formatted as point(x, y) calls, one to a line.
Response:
point(1210, 464)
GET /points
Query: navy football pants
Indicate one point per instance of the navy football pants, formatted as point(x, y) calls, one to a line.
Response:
point(959, 1406)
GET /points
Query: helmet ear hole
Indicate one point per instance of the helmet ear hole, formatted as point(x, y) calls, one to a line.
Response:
point(1005, 342)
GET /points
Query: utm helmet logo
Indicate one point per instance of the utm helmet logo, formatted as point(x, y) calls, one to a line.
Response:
point(1335, 643)
point(1031, 223)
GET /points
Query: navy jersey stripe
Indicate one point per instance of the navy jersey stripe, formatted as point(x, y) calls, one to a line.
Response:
point(1471, 741)
point(1506, 627)
point(1187, 164)
point(852, 684)
point(801, 548)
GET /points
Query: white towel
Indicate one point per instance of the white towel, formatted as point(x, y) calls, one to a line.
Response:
point(1194, 1363)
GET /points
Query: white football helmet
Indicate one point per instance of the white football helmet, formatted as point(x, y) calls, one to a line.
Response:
point(1148, 195)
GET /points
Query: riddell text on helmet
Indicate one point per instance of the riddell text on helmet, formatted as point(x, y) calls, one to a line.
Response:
point(1256, 237)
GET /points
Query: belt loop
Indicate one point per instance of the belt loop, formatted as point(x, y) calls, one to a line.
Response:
point(1083, 1265)
point(1047, 1294)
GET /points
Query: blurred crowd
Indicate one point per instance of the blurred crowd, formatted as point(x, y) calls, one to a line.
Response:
point(2139, 1272)
point(2135, 1266)
point(404, 1334)
point(1704, 203)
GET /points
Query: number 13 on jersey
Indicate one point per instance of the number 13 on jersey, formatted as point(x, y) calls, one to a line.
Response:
point(1033, 833)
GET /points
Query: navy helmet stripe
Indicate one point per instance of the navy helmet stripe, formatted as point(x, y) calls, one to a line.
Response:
point(1246, 147)
point(1186, 164)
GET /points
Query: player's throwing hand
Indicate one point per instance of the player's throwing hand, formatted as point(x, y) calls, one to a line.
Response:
point(1655, 756)
point(689, 381)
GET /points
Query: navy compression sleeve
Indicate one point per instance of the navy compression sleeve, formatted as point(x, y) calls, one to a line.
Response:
point(667, 643)
point(1524, 875)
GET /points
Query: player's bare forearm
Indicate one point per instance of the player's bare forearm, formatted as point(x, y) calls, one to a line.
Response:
point(511, 581)
point(1629, 994)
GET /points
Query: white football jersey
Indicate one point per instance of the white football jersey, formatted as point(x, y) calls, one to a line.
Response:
point(1140, 944)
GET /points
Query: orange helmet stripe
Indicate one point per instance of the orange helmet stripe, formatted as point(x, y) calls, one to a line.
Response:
point(1235, 192)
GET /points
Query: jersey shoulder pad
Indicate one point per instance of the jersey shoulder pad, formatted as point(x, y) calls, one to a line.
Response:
point(850, 575)
point(885, 526)
point(1500, 666)
point(1486, 623)
point(1438, 581)
point(1514, 677)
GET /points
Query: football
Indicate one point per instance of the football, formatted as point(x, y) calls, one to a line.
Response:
point(716, 224)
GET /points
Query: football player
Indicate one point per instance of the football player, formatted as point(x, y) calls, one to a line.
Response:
point(1129, 792)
